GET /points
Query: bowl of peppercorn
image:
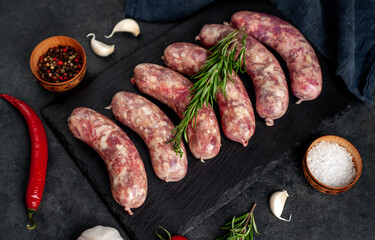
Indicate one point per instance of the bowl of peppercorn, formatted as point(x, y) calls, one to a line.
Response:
point(58, 63)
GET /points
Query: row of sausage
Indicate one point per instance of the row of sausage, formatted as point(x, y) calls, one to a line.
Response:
point(126, 169)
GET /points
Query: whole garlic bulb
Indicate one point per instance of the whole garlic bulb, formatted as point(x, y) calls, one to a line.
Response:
point(100, 233)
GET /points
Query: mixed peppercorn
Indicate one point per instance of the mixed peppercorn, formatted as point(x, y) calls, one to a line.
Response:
point(59, 64)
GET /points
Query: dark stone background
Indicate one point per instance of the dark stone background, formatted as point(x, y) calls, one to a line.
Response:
point(70, 205)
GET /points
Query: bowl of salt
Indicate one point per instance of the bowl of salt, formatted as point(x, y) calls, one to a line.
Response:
point(332, 165)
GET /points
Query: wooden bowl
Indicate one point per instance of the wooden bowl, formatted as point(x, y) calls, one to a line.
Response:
point(43, 47)
point(356, 160)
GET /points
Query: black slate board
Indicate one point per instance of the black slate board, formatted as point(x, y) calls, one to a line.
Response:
point(182, 205)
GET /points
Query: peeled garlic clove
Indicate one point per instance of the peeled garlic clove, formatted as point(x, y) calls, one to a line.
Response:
point(126, 25)
point(100, 233)
point(99, 48)
point(277, 203)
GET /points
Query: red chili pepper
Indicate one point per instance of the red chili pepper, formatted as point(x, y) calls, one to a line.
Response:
point(176, 237)
point(39, 156)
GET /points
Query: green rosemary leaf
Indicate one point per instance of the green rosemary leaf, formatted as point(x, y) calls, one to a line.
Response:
point(233, 221)
point(215, 87)
point(212, 77)
point(185, 135)
point(241, 228)
point(255, 227)
point(242, 217)
point(224, 86)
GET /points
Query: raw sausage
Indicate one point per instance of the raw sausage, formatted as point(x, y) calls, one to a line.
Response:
point(305, 73)
point(172, 89)
point(211, 34)
point(125, 168)
point(271, 89)
point(237, 114)
point(155, 128)
point(185, 58)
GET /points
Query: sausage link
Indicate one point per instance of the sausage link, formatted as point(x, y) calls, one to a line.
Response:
point(237, 114)
point(304, 68)
point(271, 89)
point(172, 89)
point(125, 167)
point(211, 34)
point(155, 128)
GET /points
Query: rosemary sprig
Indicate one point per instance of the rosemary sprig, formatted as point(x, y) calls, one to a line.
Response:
point(212, 77)
point(241, 228)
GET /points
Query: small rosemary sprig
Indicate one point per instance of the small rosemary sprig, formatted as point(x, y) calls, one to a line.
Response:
point(212, 77)
point(241, 228)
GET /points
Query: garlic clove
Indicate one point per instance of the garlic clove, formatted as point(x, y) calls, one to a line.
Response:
point(277, 203)
point(99, 48)
point(126, 25)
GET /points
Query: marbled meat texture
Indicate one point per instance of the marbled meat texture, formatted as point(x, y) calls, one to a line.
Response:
point(304, 68)
point(271, 89)
point(155, 128)
point(125, 167)
point(172, 89)
point(237, 114)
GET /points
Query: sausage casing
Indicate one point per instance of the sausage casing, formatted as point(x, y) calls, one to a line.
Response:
point(304, 68)
point(271, 89)
point(172, 89)
point(237, 114)
point(155, 128)
point(125, 167)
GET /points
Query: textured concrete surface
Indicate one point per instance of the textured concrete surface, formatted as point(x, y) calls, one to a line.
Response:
point(70, 205)
point(350, 215)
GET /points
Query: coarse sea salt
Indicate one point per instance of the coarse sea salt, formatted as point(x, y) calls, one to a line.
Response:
point(331, 164)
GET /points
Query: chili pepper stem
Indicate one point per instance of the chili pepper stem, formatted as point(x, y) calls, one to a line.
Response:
point(30, 212)
point(161, 237)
